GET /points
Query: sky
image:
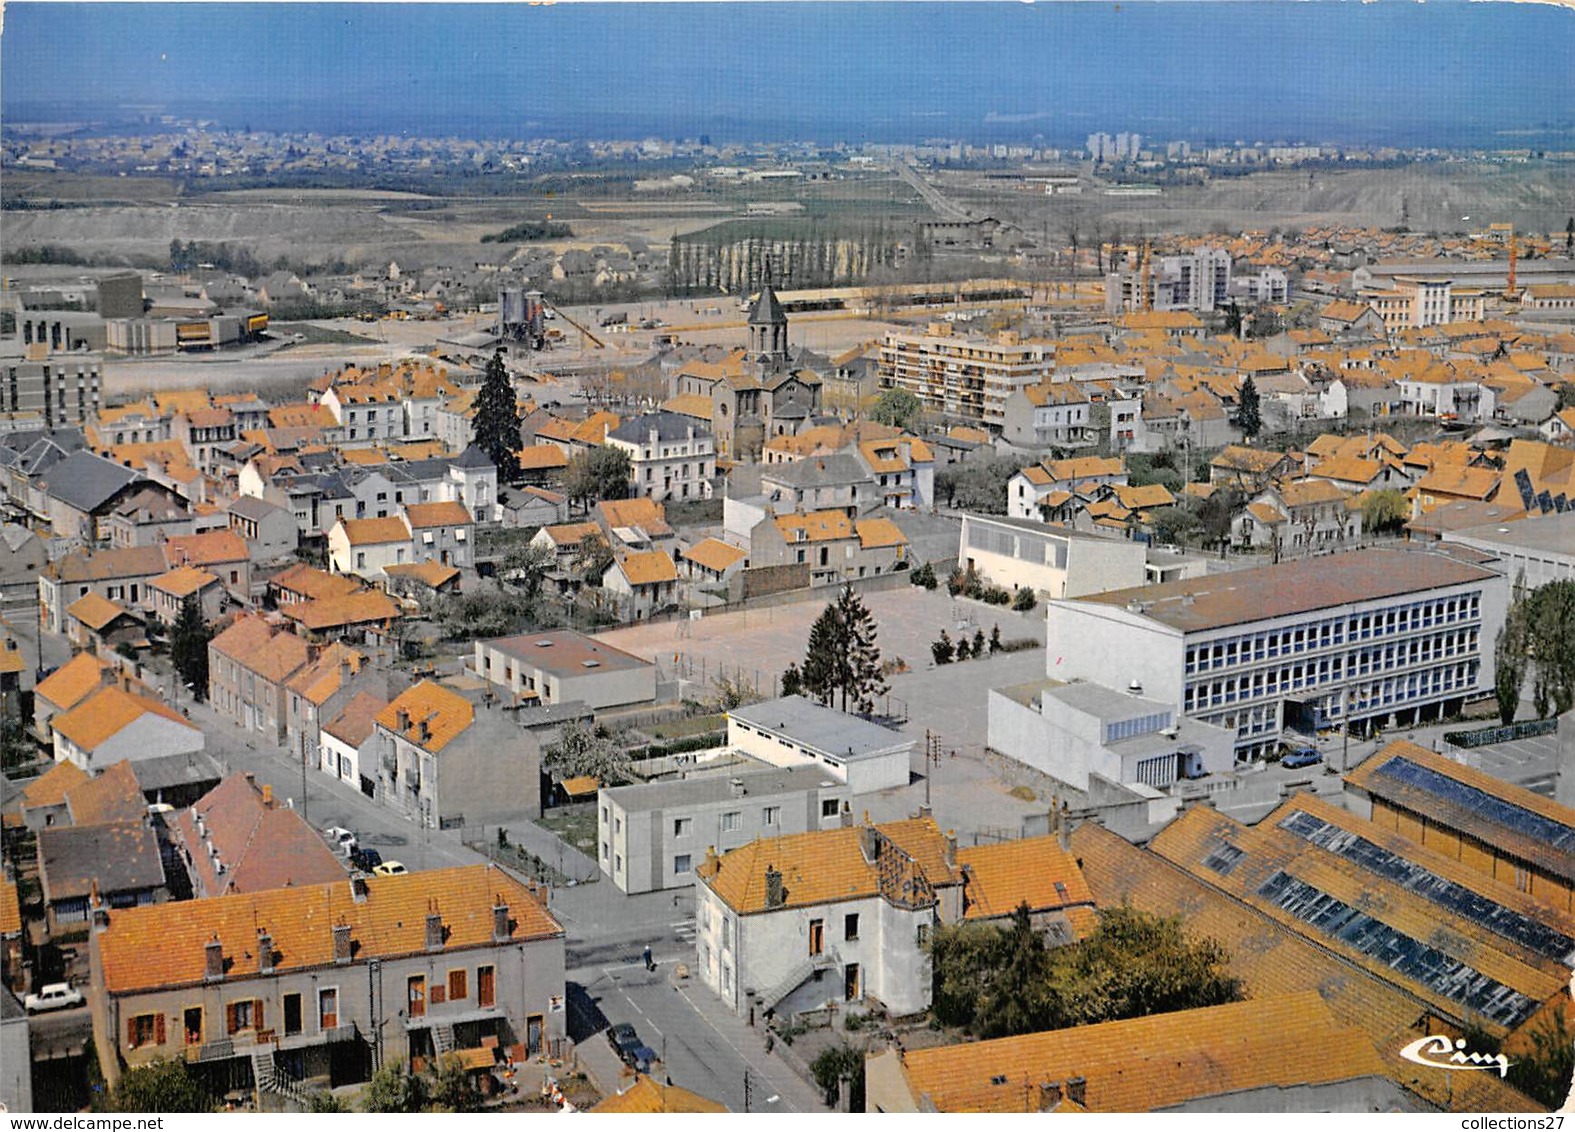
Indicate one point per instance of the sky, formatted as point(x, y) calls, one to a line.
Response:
point(1402, 73)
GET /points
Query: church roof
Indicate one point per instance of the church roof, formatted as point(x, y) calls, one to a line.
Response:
point(767, 308)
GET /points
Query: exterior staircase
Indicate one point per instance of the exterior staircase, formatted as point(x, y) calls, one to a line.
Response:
point(270, 1079)
point(442, 1037)
point(797, 976)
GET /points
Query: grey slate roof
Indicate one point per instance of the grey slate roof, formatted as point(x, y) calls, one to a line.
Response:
point(250, 507)
point(668, 426)
point(767, 308)
point(818, 471)
point(120, 856)
point(471, 457)
point(87, 482)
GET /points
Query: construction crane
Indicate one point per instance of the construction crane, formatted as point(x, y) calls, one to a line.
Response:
point(584, 333)
point(1146, 280)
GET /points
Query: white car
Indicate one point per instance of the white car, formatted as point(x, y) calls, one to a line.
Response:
point(390, 869)
point(55, 996)
point(341, 839)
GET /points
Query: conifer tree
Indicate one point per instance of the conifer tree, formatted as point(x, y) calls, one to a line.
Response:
point(189, 638)
point(497, 424)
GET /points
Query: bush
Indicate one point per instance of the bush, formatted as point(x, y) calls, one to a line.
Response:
point(1025, 600)
point(835, 1063)
point(924, 576)
point(1019, 644)
point(942, 650)
point(995, 595)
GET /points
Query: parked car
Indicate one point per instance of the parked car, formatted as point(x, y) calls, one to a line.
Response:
point(367, 860)
point(1300, 757)
point(624, 1041)
point(341, 839)
point(55, 996)
point(390, 869)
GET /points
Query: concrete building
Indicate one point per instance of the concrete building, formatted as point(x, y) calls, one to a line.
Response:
point(1050, 413)
point(965, 378)
point(50, 389)
point(794, 731)
point(1074, 731)
point(249, 664)
point(775, 916)
point(1353, 639)
point(325, 983)
point(1054, 562)
point(561, 666)
point(113, 724)
point(833, 546)
point(1414, 301)
point(16, 1089)
point(1197, 282)
point(654, 835)
point(1541, 548)
point(670, 456)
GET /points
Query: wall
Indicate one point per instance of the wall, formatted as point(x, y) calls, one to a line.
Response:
point(1109, 645)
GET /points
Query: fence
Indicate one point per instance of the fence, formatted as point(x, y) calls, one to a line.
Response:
point(1486, 736)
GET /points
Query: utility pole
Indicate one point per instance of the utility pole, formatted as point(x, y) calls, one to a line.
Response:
point(746, 1090)
point(932, 760)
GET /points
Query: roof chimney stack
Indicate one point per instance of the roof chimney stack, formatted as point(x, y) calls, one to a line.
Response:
point(776, 895)
point(341, 943)
point(213, 959)
point(264, 952)
point(434, 936)
point(500, 920)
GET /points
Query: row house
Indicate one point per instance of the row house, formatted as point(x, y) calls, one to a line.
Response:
point(269, 530)
point(148, 515)
point(367, 413)
point(641, 583)
point(249, 663)
point(422, 532)
point(833, 546)
point(1051, 483)
point(202, 430)
point(669, 456)
point(324, 983)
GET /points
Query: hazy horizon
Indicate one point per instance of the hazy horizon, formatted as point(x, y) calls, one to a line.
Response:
point(1445, 74)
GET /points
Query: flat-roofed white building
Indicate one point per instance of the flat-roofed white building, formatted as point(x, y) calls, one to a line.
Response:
point(1541, 547)
point(1052, 561)
point(653, 835)
point(794, 731)
point(1358, 638)
point(561, 665)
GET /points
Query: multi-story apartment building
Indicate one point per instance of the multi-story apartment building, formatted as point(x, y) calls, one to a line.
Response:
point(1413, 301)
point(670, 456)
point(961, 377)
point(325, 983)
point(52, 390)
point(1346, 639)
point(1198, 282)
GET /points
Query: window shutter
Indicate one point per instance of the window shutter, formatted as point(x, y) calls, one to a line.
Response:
point(131, 1033)
point(439, 994)
point(158, 1029)
point(257, 1015)
point(231, 1022)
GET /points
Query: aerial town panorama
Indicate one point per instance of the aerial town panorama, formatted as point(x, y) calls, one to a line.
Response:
point(787, 558)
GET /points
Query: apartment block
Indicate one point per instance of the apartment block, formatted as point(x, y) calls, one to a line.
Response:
point(965, 378)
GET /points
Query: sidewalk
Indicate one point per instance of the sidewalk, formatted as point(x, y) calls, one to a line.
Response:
point(775, 1076)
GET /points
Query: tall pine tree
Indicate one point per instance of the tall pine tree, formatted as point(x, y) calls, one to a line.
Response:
point(497, 425)
point(841, 660)
point(1250, 416)
point(189, 638)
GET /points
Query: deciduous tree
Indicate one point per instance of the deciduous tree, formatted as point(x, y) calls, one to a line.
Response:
point(164, 1085)
point(596, 474)
point(896, 407)
point(583, 750)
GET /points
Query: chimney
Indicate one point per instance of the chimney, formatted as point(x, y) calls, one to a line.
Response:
point(951, 848)
point(402, 720)
point(776, 895)
point(345, 670)
point(868, 845)
point(1063, 830)
point(96, 908)
point(264, 952)
point(712, 861)
point(434, 935)
point(1077, 1090)
point(213, 959)
point(735, 787)
point(500, 920)
point(267, 797)
point(846, 816)
point(423, 732)
point(341, 943)
point(1049, 1095)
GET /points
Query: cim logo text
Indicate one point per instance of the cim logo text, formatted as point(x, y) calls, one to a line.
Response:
point(1442, 1052)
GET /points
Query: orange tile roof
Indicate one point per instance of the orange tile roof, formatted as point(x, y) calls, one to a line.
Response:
point(359, 608)
point(648, 567)
point(1145, 496)
point(310, 582)
point(184, 581)
point(164, 945)
point(1460, 481)
point(449, 513)
point(1143, 1064)
point(1304, 493)
point(260, 648)
point(51, 787)
point(94, 611)
point(1348, 469)
point(375, 532)
point(1234, 457)
point(354, 724)
point(695, 405)
point(11, 659)
point(647, 1095)
point(205, 549)
point(445, 715)
point(641, 512)
point(815, 526)
point(822, 866)
point(115, 795)
point(714, 554)
point(324, 676)
point(878, 533)
point(10, 909)
point(428, 572)
point(1085, 467)
point(570, 534)
point(1008, 873)
point(106, 714)
point(541, 457)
